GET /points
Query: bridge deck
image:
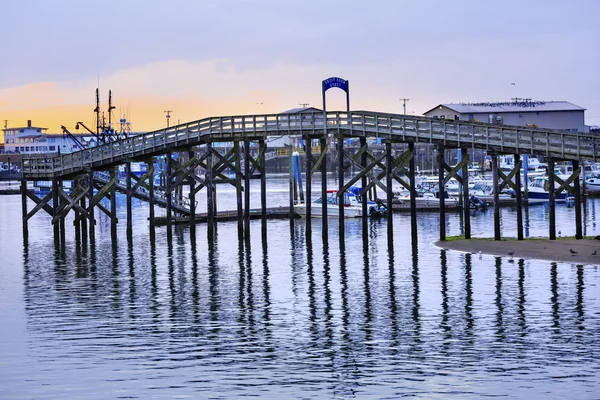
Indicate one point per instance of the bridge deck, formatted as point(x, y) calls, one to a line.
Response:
point(392, 127)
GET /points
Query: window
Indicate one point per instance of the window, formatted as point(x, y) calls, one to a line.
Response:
point(52, 148)
point(51, 140)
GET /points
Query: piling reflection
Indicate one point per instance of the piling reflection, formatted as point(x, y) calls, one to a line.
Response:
point(291, 305)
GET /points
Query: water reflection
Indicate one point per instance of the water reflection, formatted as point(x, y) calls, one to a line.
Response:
point(354, 318)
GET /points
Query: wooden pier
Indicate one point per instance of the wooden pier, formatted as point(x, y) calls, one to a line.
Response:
point(325, 135)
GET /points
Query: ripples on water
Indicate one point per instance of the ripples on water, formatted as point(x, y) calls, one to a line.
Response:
point(291, 317)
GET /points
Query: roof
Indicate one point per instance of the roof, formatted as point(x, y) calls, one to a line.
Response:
point(504, 107)
point(299, 110)
point(23, 127)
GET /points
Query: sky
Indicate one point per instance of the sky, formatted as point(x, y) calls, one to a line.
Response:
point(232, 57)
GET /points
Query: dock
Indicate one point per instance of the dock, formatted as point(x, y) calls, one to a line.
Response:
point(231, 215)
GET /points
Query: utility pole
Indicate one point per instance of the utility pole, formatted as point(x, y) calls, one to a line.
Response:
point(168, 112)
point(404, 104)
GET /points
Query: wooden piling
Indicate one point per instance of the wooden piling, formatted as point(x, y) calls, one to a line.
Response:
point(84, 229)
point(192, 195)
point(24, 208)
point(150, 167)
point(389, 190)
point(169, 195)
point(129, 208)
point(308, 204)
point(496, 188)
point(518, 199)
point(363, 192)
point(263, 180)
point(61, 221)
point(413, 196)
point(323, 144)
point(465, 194)
point(441, 193)
point(341, 196)
point(55, 208)
point(113, 205)
point(209, 188)
point(577, 190)
point(238, 186)
point(552, 199)
point(92, 219)
point(247, 186)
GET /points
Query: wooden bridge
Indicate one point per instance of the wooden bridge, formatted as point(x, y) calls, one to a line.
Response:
point(197, 138)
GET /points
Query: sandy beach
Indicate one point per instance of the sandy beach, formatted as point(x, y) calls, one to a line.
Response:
point(587, 250)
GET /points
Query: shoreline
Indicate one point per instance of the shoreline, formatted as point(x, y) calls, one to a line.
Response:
point(533, 248)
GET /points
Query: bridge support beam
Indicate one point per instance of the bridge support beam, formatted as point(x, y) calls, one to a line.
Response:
point(552, 199)
point(83, 221)
point(441, 192)
point(262, 149)
point(61, 221)
point(341, 196)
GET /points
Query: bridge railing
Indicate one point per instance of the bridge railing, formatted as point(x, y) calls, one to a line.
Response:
point(355, 123)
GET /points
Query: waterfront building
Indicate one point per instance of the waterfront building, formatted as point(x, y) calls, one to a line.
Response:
point(36, 140)
point(560, 115)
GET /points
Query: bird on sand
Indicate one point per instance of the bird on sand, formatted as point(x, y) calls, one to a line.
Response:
point(573, 252)
point(595, 252)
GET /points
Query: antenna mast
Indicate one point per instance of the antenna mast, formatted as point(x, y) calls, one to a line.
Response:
point(168, 112)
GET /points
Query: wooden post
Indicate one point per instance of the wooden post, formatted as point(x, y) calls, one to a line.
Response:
point(323, 144)
point(388, 186)
point(308, 201)
point(210, 216)
point(238, 187)
point(150, 166)
point(55, 207)
point(577, 189)
point(363, 192)
point(77, 221)
point(552, 199)
point(113, 206)
point(341, 196)
point(24, 209)
point(92, 222)
point(413, 196)
point(465, 193)
point(247, 186)
point(129, 210)
point(292, 183)
point(441, 193)
point(84, 229)
point(519, 200)
point(263, 180)
point(61, 221)
point(169, 194)
point(192, 194)
point(496, 187)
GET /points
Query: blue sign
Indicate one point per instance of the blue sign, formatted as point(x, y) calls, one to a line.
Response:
point(335, 82)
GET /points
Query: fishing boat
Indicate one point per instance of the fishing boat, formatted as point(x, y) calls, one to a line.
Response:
point(352, 205)
point(538, 189)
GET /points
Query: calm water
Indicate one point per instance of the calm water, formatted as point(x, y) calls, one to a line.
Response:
point(292, 317)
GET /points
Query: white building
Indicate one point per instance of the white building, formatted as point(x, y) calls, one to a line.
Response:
point(560, 115)
point(36, 140)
